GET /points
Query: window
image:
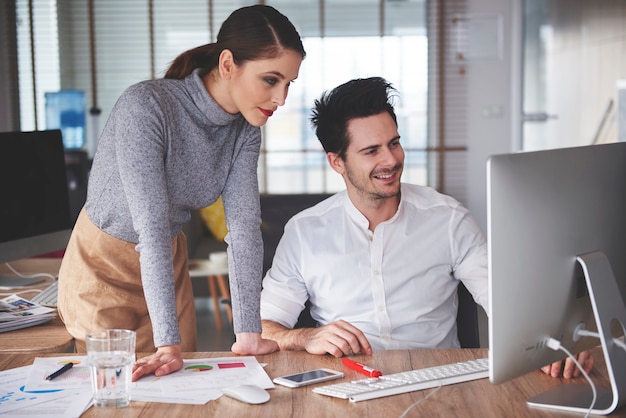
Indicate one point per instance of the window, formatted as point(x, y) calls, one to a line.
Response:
point(344, 40)
point(135, 40)
point(38, 60)
point(571, 73)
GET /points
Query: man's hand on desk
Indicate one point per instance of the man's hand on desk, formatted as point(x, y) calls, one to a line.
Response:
point(570, 369)
point(337, 338)
point(166, 360)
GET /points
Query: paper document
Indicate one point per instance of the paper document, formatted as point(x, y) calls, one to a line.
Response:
point(75, 378)
point(201, 380)
point(198, 382)
point(16, 400)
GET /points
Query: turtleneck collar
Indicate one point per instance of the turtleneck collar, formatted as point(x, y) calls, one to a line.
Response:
point(203, 100)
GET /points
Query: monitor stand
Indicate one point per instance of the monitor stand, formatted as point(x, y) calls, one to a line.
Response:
point(609, 311)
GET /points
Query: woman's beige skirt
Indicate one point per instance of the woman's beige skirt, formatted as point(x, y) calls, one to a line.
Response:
point(100, 288)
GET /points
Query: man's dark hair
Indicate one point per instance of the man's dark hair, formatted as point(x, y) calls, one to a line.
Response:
point(357, 98)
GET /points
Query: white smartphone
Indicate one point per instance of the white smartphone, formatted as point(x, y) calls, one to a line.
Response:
point(307, 378)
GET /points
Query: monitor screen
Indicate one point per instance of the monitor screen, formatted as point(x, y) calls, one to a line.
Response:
point(545, 209)
point(34, 213)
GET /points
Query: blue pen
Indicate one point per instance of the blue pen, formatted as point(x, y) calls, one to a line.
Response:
point(59, 372)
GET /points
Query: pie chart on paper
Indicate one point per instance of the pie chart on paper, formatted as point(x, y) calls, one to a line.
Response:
point(198, 368)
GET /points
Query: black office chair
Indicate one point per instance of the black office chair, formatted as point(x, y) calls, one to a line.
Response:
point(467, 319)
point(276, 210)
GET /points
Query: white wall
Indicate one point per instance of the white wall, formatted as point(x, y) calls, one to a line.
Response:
point(494, 86)
point(578, 58)
point(574, 69)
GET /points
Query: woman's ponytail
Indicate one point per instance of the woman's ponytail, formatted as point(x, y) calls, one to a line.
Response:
point(204, 56)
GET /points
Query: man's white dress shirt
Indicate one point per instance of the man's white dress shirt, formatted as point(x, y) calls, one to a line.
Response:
point(396, 284)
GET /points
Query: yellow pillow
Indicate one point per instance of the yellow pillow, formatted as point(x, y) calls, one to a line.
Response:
point(214, 219)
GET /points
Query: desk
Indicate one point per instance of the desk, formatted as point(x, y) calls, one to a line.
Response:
point(51, 337)
point(214, 272)
point(478, 398)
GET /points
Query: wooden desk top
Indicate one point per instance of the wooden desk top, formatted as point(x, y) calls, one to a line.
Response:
point(51, 337)
point(478, 398)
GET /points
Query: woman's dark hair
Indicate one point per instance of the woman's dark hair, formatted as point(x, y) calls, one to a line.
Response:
point(358, 98)
point(250, 33)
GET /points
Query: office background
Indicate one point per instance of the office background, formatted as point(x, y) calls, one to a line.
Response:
point(476, 77)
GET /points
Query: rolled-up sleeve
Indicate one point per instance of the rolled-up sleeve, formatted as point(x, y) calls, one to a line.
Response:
point(469, 248)
point(284, 291)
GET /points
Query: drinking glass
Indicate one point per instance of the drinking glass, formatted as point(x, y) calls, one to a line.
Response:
point(110, 355)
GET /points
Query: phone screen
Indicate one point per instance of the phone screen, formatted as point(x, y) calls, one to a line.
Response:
point(303, 377)
point(309, 377)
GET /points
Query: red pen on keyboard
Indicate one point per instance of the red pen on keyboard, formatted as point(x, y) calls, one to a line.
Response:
point(361, 368)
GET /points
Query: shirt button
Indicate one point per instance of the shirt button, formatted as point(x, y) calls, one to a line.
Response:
point(380, 309)
point(376, 272)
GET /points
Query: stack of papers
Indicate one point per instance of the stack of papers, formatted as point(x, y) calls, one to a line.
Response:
point(16, 313)
point(201, 380)
point(25, 390)
point(16, 399)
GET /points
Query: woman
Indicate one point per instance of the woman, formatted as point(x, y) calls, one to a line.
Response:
point(171, 146)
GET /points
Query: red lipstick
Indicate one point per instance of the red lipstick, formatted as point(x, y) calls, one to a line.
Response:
point(266, 112)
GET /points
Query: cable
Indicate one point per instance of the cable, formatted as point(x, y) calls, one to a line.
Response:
point(585, 333)
point(48, 275)
point(20, 292)
point(556, 345)
point(32, 276)
point(414, 404)
point(620, 343)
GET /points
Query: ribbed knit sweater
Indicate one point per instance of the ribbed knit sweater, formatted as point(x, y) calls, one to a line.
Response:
point(168, 148)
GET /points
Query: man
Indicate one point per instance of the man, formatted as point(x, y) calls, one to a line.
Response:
point(381, 261)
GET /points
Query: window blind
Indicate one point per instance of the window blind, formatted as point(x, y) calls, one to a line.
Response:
point(38, 59)
point(405, 41)
point(447, 98)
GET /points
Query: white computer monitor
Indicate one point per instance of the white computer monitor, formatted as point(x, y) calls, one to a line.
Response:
point(557, 261)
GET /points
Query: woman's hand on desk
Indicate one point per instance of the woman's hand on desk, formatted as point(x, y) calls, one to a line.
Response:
point(251, 343)
point(570, 369)
point(166, 360)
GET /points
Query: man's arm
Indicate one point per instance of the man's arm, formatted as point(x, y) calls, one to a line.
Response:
point(338, 338)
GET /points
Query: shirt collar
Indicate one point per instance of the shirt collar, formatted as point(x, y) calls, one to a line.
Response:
point(359, 218)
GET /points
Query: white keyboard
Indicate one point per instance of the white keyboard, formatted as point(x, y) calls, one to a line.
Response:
point(48, 296)
point(394, 384)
